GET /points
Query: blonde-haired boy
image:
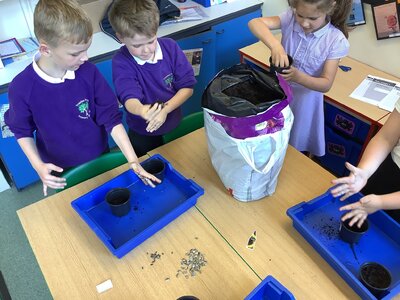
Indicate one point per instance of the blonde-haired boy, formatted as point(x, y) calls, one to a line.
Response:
point(152, 76)
point(63, 99)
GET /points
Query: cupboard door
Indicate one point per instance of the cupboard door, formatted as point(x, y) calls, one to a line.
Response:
point(230, 37)
point(206, 42)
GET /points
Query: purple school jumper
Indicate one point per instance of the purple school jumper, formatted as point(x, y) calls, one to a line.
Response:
point(71, 119)
point(309, 53)
point(152, 82)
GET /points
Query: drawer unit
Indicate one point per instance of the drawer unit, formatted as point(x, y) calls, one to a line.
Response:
point(339, 149)
point(345, 123)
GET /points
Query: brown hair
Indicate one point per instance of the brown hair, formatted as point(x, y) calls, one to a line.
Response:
point(61, 20)
point(131, 17)
point(338, 10)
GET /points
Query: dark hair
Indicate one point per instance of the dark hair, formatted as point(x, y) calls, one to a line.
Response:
point(338, 10)
point(131, 17)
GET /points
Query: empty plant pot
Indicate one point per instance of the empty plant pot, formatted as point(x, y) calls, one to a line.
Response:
point(155, 167)
point(375, 277)
point(274, 68)
point(352, 234)
point(119, 201)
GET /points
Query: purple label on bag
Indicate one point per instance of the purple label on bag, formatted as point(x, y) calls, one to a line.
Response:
point(267, 122)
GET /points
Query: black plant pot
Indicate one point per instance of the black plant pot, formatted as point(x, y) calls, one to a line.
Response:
point(352, 234)
point(119, 201)
point(376, 278)
point(155, 167)
point(274, 68)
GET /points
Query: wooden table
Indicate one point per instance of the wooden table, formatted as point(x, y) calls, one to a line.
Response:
point(74, 261)
point(280, 250)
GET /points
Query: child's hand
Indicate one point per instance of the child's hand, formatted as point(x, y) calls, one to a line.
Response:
point(351, 184)
point(149, 111)
point(361, 209)
point(279, 57)
point(147, 178)
point(49, 180)
point(291, 74)
point(157, 121)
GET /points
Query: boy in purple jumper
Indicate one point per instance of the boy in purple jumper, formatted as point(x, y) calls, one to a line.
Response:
point(152, 77)
point(64, 98)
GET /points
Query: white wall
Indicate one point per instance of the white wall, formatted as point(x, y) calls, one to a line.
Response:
point(383, 54)
point(16, 18)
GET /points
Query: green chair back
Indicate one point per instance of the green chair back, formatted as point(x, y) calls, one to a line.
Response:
point(188, 124)
point(93, 168)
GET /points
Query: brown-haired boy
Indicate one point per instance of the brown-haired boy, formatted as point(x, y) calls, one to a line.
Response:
point(152, 76)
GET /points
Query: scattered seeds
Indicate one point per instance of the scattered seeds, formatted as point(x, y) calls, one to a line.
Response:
point(192, 264)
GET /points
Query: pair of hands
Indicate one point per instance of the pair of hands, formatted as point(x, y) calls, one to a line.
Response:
point(347, 186)
point(280, 59)
point(155, 115)
point(46, 170)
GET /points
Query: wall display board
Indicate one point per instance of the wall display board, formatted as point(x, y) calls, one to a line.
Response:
point(386, 19)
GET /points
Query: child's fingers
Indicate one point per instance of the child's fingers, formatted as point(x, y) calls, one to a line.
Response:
point(351, 206)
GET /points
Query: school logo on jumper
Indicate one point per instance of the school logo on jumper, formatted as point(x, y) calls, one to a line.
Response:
point(168, 80)
point(83, 107)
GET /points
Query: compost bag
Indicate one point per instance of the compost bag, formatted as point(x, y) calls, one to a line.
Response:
point(247, 119)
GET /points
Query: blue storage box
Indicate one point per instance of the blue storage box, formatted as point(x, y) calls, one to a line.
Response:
point(346, 123)
point(339, 150)
point(151, 208)
point(270, 289)
point(318, 222)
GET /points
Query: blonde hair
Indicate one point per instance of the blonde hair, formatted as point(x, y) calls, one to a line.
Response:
point(61, 20)
point(131, 17)
point(338, 10)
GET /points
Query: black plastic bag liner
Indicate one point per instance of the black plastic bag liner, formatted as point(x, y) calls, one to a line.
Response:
point(241, 91)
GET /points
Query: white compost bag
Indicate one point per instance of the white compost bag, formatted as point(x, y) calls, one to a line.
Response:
point(249, 167)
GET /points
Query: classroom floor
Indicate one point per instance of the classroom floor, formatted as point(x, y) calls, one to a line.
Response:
point(18, 264)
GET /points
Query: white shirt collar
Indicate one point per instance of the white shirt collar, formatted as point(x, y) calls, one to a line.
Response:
point(68, 75)
point(157, 56)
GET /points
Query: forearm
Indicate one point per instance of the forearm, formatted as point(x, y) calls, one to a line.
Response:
point(261, 28)
point(319, 84)
point(121, 138)
point(134, 106)
point(178, 99)
point(29, 147)
point(390, 201)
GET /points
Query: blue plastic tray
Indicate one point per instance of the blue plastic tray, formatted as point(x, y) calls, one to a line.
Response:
point(318, 221)
point(270, 289)
point(151, 208)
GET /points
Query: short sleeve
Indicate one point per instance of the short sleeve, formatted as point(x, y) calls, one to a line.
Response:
point(340, 48)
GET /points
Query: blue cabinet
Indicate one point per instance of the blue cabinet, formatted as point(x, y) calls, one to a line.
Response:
point(345, 136)
point(230, 37)
point(14, 159)
point(205, 41)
